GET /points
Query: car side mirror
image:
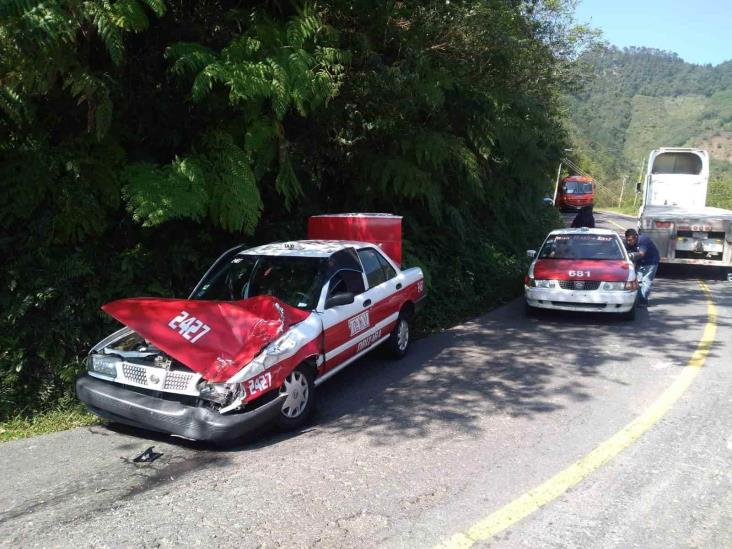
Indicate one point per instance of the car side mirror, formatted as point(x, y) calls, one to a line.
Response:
point(343, 298)
point(531, 254)
point(638, 187)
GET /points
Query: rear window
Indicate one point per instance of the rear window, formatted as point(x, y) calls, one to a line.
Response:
point(582, 246)
point(677, 163)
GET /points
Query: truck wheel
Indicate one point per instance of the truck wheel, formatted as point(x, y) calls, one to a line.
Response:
point(398, 342)
point(299, 387)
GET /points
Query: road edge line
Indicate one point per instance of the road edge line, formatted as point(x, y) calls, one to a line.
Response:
point(557, 485)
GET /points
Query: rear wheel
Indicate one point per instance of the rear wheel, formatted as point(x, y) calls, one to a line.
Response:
point(398, 342)
point(299, 387)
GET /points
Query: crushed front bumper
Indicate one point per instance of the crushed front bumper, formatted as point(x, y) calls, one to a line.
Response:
point(572, 300)
point(116, 403)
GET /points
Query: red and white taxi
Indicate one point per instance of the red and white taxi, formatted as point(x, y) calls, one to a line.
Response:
point(582, 270)
point(262, 329)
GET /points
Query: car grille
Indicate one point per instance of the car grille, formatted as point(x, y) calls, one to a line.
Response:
point(177, 381)
point(579, 285)
point(174, 381)
point(135, 374)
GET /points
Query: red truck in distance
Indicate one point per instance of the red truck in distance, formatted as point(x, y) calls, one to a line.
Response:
point(575, 192)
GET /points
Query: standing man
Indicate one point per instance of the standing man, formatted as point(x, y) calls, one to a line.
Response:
point(584, 218)
point(645, 254)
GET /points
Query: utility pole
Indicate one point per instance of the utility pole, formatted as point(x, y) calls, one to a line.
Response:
point(559, 171)
point(622, 188)
point(556, 185)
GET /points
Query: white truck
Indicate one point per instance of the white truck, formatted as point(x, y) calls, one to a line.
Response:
point(674, 213)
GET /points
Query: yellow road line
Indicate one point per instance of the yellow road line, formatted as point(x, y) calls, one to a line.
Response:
point(534, 499)
point(616, 224)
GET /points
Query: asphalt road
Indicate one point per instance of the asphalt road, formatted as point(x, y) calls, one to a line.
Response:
point(411, 453)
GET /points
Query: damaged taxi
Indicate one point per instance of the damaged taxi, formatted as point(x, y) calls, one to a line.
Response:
point(262, 329)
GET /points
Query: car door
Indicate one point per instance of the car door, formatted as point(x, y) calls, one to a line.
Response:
point(381, 295)
point(344, 325)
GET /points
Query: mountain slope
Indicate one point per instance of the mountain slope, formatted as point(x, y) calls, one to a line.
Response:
point(637, 99)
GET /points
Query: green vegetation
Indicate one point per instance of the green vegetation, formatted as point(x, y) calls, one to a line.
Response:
point(141, 138)
point(638, 99)
point(65, 415)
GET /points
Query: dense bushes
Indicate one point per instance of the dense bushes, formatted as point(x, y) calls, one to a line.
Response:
point(139, 139)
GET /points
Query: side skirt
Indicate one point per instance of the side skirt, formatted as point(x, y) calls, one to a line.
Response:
point(337, 369)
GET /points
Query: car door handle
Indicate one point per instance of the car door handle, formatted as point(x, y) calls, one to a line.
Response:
point(399, 286)
point(367, 303)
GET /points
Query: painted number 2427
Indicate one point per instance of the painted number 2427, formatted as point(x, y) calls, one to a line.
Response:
point(189, 327)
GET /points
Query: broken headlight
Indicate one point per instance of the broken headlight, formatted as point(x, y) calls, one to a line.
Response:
point(220, 393)
point(105, 365)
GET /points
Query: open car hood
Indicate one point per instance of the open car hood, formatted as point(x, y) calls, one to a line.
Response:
point(582, 269)
point(214, 338)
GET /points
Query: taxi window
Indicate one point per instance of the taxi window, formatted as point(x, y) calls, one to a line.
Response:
point(372, 266)
point(346, 280)
point(582, 246)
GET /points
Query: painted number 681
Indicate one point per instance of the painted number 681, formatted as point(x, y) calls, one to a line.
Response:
point(580, 274)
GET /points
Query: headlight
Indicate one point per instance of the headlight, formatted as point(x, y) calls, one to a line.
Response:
point(105, 365)
point(221, 393)
point(545, 283)
point(613, 286)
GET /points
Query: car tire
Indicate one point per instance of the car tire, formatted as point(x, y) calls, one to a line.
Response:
point(530, 311)
point(297, 407)
point(398, 342)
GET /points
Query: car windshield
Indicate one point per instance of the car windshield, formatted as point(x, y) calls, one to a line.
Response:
point(577, 187)
point(295, 280)
point(581, 246)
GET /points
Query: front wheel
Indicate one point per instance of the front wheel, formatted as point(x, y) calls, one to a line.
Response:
point(398, 342)
point(299, 387)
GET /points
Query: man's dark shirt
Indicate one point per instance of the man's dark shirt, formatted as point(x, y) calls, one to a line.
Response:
point(648, 248)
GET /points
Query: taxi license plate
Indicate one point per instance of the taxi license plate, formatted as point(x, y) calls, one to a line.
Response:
point(701, 236)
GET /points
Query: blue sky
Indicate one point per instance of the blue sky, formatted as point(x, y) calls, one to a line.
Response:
point(700, 31)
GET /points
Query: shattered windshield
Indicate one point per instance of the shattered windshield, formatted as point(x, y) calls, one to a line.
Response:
point(581, 246)
point(295, 280)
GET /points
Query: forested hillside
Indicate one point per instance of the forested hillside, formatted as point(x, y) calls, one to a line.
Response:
point(141, 138)
point(638, 99)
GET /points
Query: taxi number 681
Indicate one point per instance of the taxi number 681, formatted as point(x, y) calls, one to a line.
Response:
point(580, 274)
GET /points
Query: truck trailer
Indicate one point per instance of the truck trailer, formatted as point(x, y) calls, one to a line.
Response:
point(674, 213)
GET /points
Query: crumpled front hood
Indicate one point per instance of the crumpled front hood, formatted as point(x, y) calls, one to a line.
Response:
point(214, 338)
point(582, 269)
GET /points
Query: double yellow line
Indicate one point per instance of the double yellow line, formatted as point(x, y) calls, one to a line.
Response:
point(543, 494)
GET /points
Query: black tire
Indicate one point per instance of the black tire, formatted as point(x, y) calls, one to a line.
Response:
point(296, 409)
point(398, 342)
point(530, 311)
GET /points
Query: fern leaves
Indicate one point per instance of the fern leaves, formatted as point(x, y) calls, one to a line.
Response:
point(280, 66)
point(269, 71)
